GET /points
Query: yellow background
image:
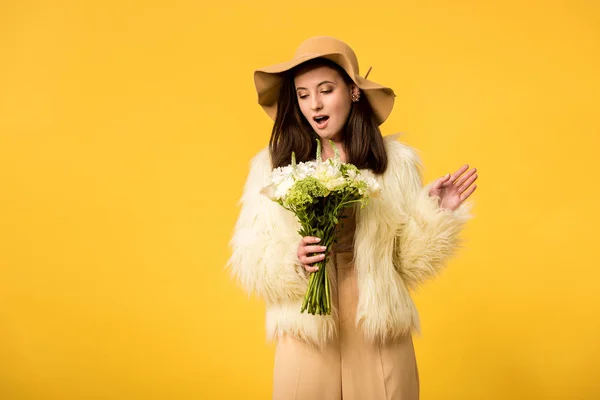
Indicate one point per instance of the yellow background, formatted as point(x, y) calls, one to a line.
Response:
point(126, 128)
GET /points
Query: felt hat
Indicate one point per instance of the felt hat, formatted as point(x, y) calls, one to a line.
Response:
point(268, 79)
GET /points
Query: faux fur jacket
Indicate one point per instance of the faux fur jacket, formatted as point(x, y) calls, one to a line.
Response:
point(402, 238)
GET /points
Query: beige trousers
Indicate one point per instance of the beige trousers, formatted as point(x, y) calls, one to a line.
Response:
point(350, 368)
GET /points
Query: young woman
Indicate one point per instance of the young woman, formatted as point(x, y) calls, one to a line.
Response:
point(364, 349)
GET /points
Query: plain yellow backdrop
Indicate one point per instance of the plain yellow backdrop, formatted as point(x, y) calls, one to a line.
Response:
point(126, 128)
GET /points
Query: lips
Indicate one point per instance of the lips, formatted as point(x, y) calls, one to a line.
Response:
point(321, 121)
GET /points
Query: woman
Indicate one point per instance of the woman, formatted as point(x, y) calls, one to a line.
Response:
point(364, 349)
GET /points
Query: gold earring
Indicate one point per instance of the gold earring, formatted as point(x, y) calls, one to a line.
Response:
point(355, 97)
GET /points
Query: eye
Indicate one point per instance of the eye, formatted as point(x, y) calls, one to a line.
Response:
point(326, 91)
point(302, 96)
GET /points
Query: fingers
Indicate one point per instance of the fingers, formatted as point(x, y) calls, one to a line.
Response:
point(456, 178)
point(459, 172)
point(310, 268)
point(467, 193)
point(313, 249)
point(310, 240)
point(311, 259)
point(441, 182)
point(467, 183)
point(305, 248)
point(463, 179)
point(308, 245)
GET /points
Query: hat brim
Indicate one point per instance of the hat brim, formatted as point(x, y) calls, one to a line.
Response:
point(268, 80)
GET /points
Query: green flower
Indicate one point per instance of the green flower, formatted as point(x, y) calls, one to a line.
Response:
point(304, 192)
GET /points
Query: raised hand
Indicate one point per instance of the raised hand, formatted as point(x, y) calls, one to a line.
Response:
point(454, 189)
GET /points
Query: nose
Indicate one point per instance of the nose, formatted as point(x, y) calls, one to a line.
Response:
point(315, 103)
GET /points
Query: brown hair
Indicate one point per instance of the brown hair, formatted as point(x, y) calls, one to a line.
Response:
point(291, 132)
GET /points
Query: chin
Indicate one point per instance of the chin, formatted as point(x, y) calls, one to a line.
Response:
point(325, 135)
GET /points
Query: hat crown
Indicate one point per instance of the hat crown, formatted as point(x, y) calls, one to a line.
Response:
point(327, 45)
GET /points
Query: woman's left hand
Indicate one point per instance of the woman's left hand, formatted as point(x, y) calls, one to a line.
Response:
point(453, 190)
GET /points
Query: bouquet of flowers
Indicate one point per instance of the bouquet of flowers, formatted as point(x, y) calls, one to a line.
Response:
point(317, 193)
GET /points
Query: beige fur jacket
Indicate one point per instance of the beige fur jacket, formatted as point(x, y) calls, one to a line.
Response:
point(402, 238)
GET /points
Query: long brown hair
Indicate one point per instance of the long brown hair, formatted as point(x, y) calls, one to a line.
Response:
point(291, 132)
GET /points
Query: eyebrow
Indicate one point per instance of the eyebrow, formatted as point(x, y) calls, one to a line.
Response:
point(322, 83)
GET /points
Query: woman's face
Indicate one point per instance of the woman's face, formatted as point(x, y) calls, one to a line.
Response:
point(324, 99)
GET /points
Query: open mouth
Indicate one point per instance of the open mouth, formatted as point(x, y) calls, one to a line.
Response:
point(321, 121)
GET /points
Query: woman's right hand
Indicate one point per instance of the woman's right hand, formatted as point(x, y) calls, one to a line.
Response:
point(309, 245)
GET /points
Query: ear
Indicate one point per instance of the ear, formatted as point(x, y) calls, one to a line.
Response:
point(354, 89)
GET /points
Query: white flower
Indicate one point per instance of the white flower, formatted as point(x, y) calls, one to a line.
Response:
point(269, 191)
point(305, 169)
point(281, 180)
point(336, 183)
point(326, 172)
point(352, 174)
point(280, 174)
point(284, 187)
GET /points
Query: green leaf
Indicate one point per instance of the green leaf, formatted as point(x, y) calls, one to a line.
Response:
point(336, 152)
point(319, 150)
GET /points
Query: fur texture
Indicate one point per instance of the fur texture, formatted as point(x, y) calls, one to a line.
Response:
point(402, 238)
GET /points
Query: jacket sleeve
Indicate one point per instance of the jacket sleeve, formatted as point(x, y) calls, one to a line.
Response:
point(429, 235)
point(265, 242)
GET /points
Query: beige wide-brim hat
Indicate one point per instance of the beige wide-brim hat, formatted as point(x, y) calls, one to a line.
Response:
point(268, 80)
